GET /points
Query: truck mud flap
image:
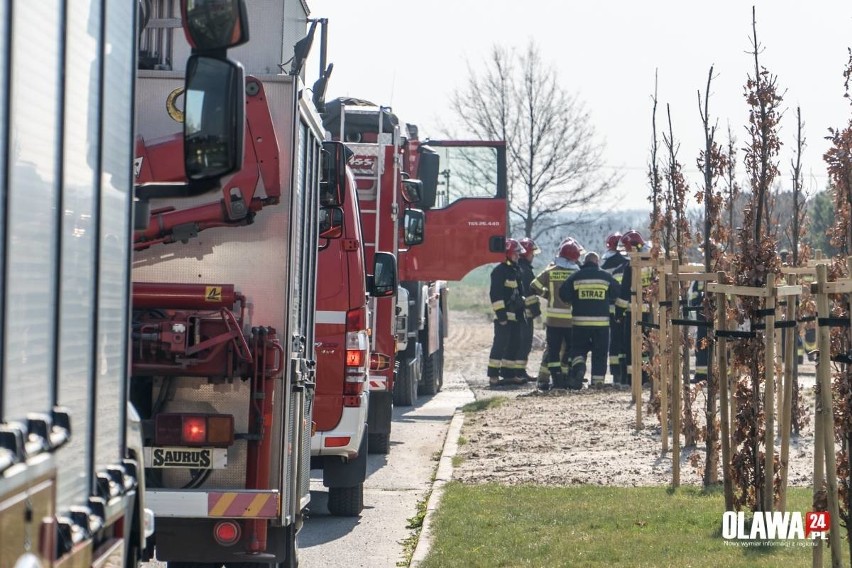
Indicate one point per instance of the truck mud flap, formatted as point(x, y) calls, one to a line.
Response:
point(339, 473)
point(191, 540)
point(380, 412)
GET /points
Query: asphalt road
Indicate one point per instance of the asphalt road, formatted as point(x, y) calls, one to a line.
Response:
point(395, 484)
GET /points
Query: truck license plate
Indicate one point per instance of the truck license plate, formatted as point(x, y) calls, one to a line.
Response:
point(193, 458)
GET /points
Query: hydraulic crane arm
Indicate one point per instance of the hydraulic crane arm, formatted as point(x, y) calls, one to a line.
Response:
point(244, 193)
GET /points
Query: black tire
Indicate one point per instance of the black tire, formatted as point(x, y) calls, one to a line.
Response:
point(433, 367)
point(433, 374)
point(378, 444)
point(405, 387)
point(346, 501)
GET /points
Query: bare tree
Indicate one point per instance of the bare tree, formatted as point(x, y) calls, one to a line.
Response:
point(555, 158)
point(676, 209)
point(712, 161)
point(655, 180)
point(732, 192)
point(800, 196)
point(839, 161)
point(756, 261)
point(800, 254)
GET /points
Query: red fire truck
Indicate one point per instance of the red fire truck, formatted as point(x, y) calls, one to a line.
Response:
point(223, 318)
point(339, 443)
point(71, 482)
point(440, 207)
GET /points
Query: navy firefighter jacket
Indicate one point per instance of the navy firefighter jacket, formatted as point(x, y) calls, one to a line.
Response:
point(507, 300)
point(590, 291)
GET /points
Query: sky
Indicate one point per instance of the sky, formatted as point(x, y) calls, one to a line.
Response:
point(413, 56)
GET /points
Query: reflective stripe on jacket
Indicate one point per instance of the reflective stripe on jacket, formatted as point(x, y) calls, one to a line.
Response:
point(547, 286)
point(590, 291)
point(506, 298)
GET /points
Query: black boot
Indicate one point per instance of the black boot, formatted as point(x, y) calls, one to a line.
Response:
point(616, 376)
point(575, 376)
point(560, 381)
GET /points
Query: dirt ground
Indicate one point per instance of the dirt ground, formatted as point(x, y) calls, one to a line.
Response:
point(572, 437)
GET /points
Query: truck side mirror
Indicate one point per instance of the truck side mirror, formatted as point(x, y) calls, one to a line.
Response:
point(382, 282)
point(212, 25)
point(428, 170)
point(413, 226)
point(333, 179)
point(330, 223)
point(214, 117)
point(412, 191)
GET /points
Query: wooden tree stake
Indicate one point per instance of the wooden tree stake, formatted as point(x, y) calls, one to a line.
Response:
point(676, 379)
point(724, 401)
point(824, 378)
point(769, 398)
point(787, 399)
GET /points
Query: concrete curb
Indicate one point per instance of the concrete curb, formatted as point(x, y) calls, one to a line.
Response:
point(442, 477)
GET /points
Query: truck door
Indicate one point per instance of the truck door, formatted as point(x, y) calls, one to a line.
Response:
point(465, 201)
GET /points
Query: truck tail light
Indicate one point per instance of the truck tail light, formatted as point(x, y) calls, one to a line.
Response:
point(354, 358)
point(227, 533)
point(357, 345)
point(194, 430)
point(379, 362)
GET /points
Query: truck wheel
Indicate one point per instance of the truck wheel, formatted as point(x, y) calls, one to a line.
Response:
point(433, 368)
point(405, 387)
point(433, 374)
point(378, 443)
point(346, 501)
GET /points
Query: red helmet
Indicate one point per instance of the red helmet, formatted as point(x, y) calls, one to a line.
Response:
point(569, 250)
point(612, 241)
point(573, 240)
point(530, 248)
point(632, 240)
point(513, 246)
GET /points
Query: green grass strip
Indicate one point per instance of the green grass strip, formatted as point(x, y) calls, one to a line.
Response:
point(493, 526)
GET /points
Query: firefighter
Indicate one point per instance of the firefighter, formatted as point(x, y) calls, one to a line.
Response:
point(508, 305)
point(558, 318)
point(695, 301)
point(543, 370)
point(532, 308)
point(633, 242)
point(590, 291)
point(617, 264)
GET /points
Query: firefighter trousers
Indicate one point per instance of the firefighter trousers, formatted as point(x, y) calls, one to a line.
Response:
point(702, 354)
point(526, 338)
point(502, 359)
point(618, 345)
point(558, 346)
point(585, 338)
point(646, 344)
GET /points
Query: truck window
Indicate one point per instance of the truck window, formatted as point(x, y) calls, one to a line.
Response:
point(465, 172)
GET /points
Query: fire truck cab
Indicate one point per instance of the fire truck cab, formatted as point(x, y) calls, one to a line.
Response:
point(440, 208)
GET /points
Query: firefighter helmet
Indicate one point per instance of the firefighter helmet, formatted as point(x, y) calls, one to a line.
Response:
point(613, 240)
point(575, 241)
point(513, 246)
point(570, 250)
point(632, 240)
point(530, 248)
